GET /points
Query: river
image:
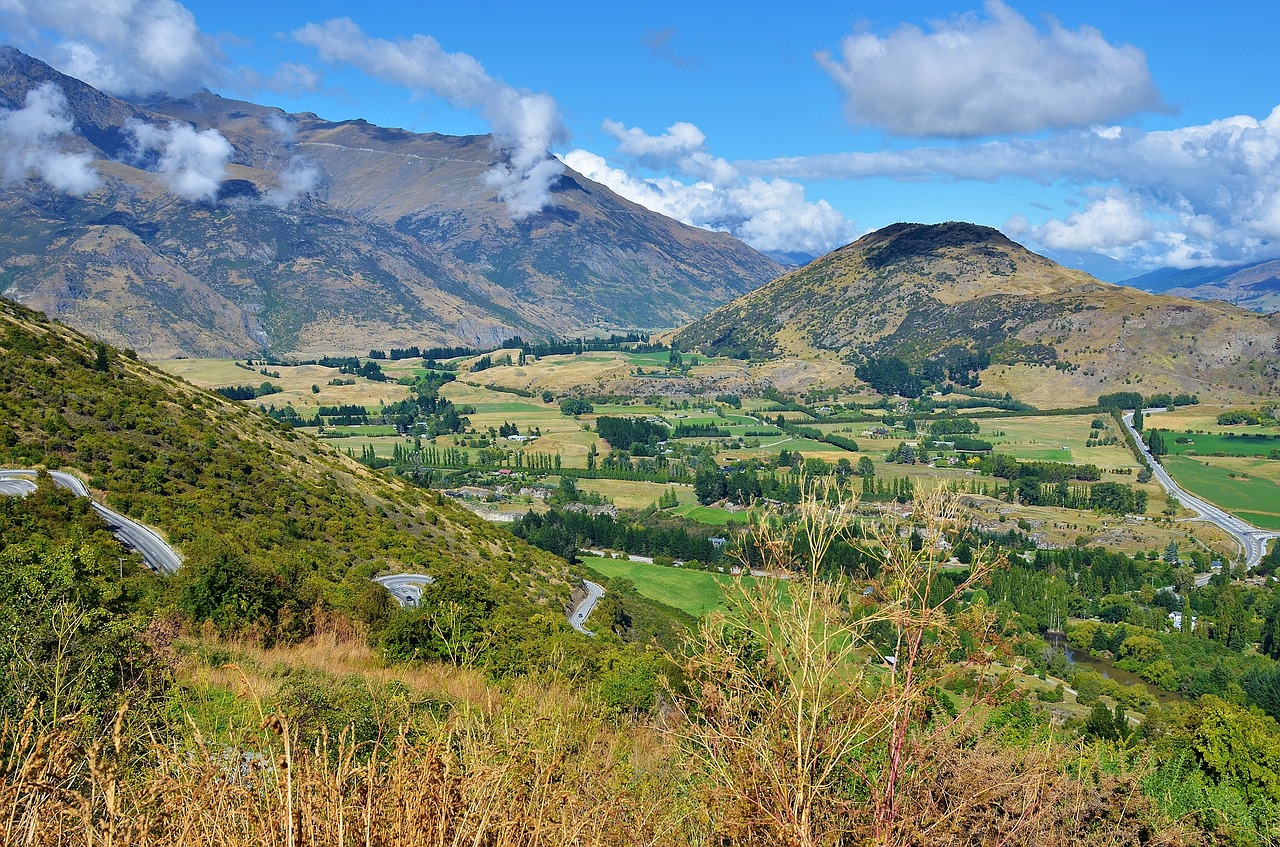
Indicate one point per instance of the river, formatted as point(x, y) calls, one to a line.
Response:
point(1110, 671)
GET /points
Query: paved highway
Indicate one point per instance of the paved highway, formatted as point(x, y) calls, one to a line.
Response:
point(16, 487)
point(405, 587)
point(157, 555)
point(579, 617)
point(1252, 541)
point(160, 557)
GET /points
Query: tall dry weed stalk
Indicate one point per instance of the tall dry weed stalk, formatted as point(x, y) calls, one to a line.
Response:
point(814, 696)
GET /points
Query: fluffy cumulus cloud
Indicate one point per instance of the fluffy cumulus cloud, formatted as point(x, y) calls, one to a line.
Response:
point(526, 125)
point(119, 46)
point(703, 190)
point(1196, 195)
point(30, 143)
point(191, 162)
point(1111, 222)
point(972, 76)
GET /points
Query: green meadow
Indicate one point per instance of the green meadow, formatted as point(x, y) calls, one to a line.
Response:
point(1255, 499)
point(691, 591)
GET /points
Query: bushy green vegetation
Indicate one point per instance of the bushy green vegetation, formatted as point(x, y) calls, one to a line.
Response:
point(564, 532)
point(1255, 417)
point(74, 610)
point(273, 527)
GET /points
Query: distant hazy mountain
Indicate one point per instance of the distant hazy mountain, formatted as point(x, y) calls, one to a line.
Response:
point(1094, 264)
point(1255, 286)
point(790, 258)
point(380, 237)
point(960, 295)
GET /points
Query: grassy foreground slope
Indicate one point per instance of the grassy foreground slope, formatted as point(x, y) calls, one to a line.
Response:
point(224, 482)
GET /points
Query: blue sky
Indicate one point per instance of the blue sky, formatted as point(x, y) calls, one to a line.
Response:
point(1142, 131)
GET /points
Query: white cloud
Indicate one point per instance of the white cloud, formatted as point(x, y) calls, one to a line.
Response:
point(29, 143)
point(289, 78)
point(298, 177)
point(767, 214)
point(191, 162)
point(526, 125)
point(1108, 223)
point(973, 76)
point(119, 46)
point(679, 141)
point(1208, 192)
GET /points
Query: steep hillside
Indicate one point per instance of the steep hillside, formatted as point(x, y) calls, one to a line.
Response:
point(296, 526)
point(973, 302)
point(387, 238)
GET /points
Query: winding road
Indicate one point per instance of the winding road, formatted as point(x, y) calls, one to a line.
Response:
point(160, 557)
point(157, 555)
point(405, 587)
point(579, 617)
point(1252, 540)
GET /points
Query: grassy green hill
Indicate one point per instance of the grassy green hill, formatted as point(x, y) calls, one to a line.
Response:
point(968, 302)
point(275, 528)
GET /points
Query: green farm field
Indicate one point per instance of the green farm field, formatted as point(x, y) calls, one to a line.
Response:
point(1230, 443)
point(692, 591)
point(709, 516)
point(1254, 498)
point(1056, 438)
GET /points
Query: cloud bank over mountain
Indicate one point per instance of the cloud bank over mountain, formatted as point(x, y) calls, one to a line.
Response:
point(1050, 123)
point(31, 139)
point(526, 125)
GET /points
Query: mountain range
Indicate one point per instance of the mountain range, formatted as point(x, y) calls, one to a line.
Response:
point(965, 300)
point(1254, 286)
point(325, 237)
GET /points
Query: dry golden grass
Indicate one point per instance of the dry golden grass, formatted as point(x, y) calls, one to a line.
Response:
point(524, 764)
point(295, 381)
point(544, 770)
point(634, 495)
point(340, 654)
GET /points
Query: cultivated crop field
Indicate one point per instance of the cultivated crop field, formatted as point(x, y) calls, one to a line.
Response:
point(1243, 479)
point(1059, 438)
point(1253, 497)
point(1230, 443)
point(629, 494)
point(295, 383)
point(709, 515)
point(1199, 418)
